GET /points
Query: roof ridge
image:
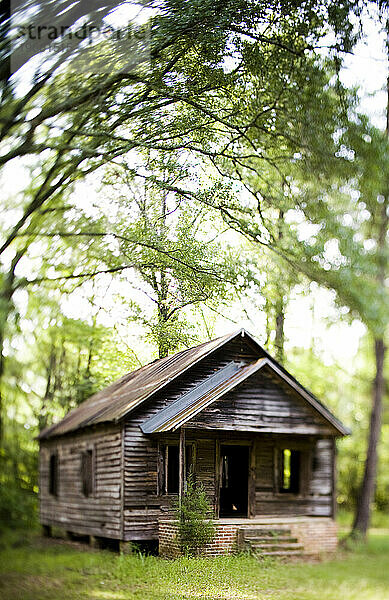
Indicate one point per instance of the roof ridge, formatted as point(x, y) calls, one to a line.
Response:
point(92, 409)
point(118, 399)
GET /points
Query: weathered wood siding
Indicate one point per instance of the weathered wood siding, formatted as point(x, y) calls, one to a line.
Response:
point(206, 466)
point(127, 502)
point(142, 504)
point(262, 404)
point(316, 494)
point(99, 514)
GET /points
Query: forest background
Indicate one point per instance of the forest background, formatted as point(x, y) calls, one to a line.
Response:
point(234, 176)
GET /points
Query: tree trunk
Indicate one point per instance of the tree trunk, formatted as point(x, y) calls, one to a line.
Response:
point(43, 416)
point(279, 340)
point(6, 294)
point(163, 287)
point(362, 516)
point(280, 337)
point(366, 496)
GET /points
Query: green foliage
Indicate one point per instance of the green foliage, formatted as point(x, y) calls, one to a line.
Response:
point(379, 519)
point(18, 478)
point(178, 261)
point(193, 511)
point(57, 362)
point(347, 394)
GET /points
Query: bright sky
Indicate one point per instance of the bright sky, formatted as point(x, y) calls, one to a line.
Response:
point(367, 68)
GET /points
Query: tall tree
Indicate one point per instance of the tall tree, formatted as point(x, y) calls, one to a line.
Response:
point(337, 235)
point(191, 94)
point(379, 235)
point(177, 262)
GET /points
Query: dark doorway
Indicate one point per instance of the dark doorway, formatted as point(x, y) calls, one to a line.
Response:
point(234, 481)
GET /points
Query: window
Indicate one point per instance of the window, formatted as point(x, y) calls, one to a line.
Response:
point(87, 473)
point(53, 475)
point(172, 469)
point(171, 466)
point(290, 471)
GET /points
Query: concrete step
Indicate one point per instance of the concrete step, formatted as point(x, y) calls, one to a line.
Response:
point(271, 540)
point(268, 541)
point(264, 531)
point(264, 548)
point(280, 553)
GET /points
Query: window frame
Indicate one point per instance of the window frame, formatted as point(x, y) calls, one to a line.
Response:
point(305, 470)
point(53, 481)
point(163, 476)
point(88, 476)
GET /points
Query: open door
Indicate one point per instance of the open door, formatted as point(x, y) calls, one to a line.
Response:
point(234, 481)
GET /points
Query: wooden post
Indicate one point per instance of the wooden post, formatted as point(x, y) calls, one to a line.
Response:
point(125, 547)
point(161, 461)
point(94, 541)
point(276, 470)
point(181, 462)
point(218, 467)
point(251, 486)
point(334, 503)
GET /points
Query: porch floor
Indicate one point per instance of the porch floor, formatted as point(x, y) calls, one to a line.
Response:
point(265, 520)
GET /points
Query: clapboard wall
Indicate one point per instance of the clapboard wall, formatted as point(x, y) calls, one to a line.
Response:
point(98, 514)
point(316, 495)
point(127, 501)
point(263, 403)
point(142, 504)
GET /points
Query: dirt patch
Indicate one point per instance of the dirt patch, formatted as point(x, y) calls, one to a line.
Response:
point(43, 542)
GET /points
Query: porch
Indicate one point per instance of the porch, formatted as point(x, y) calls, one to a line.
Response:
point(265, 536)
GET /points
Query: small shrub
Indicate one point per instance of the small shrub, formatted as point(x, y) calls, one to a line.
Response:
point(194, 516)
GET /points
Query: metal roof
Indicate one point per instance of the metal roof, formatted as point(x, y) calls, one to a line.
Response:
point(122, 396)
point(119, 399)
point(194, 401)
point(186, 406)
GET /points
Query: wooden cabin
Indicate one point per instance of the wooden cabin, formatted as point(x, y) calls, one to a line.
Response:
point(260, 443)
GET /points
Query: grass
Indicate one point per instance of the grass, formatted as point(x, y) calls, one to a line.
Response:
point(39, 569)
point(379, 520)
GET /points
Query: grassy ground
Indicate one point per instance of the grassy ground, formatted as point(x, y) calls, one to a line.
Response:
point(39, 569)
point(379, 520)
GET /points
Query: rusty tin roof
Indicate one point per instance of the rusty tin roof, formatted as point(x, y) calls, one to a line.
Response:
point(120, 398)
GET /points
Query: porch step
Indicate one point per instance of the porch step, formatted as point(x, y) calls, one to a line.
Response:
point(265, 531)
point(280, 553)
point(279, 548)
point(265, 541)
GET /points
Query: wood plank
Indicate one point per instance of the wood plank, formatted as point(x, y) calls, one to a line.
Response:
point(181, 463)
